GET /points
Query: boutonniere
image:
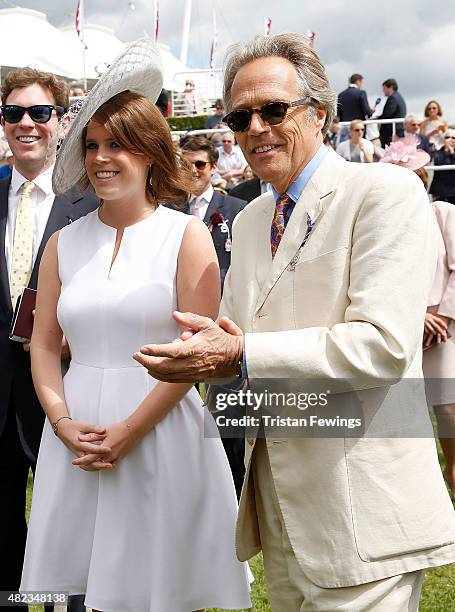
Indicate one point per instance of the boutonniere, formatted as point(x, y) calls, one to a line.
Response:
point(217, 219)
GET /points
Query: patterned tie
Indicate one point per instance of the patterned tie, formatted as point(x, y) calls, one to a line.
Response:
point(22, 254)
point(283, 203)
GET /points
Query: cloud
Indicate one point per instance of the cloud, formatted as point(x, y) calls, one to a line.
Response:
point(410, 40)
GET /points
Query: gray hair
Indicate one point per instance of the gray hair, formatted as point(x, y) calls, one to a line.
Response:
point(410, 118)
point(311, 77)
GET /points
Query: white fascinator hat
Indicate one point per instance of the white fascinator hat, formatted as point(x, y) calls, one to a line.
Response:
point(138, 69)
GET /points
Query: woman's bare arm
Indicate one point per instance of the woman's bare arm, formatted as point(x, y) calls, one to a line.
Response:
point(45, 352)
point(198, 290)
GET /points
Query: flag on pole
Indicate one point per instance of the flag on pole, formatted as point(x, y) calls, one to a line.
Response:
point(267, 25)
point(214, 42)
point(80, 22)
point(311, 36)
point(157, 19)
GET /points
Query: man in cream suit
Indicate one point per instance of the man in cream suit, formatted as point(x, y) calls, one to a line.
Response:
point(323, 286)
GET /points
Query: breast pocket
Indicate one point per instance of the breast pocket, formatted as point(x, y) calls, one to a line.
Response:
point(320, 288)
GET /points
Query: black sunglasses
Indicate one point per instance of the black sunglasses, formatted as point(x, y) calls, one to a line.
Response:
point(39, 113)
point(273, 113)
point(200, 165)
point(449, 136)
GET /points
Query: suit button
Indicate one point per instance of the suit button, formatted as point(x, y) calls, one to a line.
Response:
point(250, 441)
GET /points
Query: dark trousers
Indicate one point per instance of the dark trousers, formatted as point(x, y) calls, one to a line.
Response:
point(235, 451)
point(14, 469)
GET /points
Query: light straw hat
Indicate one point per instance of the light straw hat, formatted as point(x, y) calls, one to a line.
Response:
point(138, 69)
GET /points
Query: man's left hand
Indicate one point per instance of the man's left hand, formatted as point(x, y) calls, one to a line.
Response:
point(212, 351)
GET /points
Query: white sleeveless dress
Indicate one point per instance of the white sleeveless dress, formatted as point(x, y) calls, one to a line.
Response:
point(157, 533)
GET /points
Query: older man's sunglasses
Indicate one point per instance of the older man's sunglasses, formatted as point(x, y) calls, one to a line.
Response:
point(272, 113)
point(39, 113)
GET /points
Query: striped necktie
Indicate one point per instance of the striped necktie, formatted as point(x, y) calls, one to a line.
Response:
point(22, 253)
point(283, 203)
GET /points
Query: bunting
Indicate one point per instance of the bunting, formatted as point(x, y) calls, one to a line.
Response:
point(157, 19)
point(214, 42)
point(80, 22)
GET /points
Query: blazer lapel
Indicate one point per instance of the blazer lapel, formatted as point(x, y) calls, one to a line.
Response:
point(4, 280)
point(216, 205)
point(61, 214)
point(312, 201)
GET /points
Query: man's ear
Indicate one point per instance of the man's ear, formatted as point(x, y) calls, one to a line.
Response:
point(213, 169)
point(320, 116)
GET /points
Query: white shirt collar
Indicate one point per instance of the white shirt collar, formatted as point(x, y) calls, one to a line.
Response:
point(233, 152)
point(207, 195)
point(43, 181)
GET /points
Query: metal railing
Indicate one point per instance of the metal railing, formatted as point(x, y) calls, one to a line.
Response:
point(199, 101)
point(383, 121)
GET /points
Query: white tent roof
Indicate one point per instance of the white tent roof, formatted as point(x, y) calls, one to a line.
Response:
point(102, 47)
point(172, 66)
point(28, 39)
point(176, 73)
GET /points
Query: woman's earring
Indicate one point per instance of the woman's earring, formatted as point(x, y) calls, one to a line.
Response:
point(151, 179)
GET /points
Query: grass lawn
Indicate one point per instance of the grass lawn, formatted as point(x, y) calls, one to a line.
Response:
point(438, 593)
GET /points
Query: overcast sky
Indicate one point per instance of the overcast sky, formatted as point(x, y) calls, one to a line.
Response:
point(412, 41)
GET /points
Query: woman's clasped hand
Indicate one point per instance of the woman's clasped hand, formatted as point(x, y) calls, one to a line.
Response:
point(85, 441)
point(108, 448)
point(435, 329)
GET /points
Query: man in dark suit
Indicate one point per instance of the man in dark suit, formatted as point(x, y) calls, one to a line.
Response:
point(395, 107)
point(353, 101)
point(34, 103)
point(218, 211)
point(248, 190)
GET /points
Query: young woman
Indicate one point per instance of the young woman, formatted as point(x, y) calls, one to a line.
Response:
point(134, 504)
point(434, 125)
point(357, 148)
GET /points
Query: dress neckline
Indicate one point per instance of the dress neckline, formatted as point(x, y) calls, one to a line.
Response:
point(127, 227)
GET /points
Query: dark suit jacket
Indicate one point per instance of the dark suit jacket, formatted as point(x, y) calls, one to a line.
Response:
point(425, 144)
point(228, 207)
point(247, 190)
point(443, 183)
point(353, 104)
point(15, 374)
point(393, 108)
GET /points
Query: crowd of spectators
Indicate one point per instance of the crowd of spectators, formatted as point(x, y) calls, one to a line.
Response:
point(358, 141)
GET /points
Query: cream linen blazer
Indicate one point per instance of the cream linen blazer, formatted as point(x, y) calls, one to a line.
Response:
point(350, 307)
